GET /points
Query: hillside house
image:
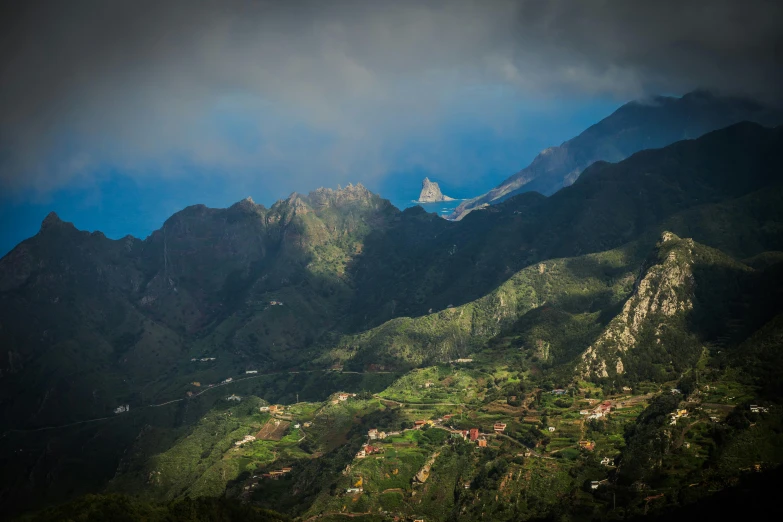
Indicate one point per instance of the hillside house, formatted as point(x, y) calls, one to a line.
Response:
point(354, 490)
point(584, 412)
point(196, 384)
point(474, 434)
point(233, 397)
point(676, 391)
point(246, 439)
point(606, 461)
point(464, 360)
point(499, 427)
point(276, 408)
point(297, 426)
point(428, 384)
point(482, 442)
point(122, 409)
point(342, 396)
point(588, 445)
point(263, 409)
point(361, 453)
point(251, 371)
point(307, 424)
point(551, 429)
point(558, 391)
point(228, 380)
point(419, 423)
point(594, 484)
point(627, 389)
point(605, 407)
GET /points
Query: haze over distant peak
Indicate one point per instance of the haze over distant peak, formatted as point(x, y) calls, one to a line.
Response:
point(641, 124)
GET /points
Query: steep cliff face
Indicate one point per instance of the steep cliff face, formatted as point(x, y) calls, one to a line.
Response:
point(430, 192)
point(662, 297)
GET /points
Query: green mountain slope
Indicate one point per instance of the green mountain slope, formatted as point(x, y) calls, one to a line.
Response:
point(171, 324)
point(421, 263)
point(580, 286)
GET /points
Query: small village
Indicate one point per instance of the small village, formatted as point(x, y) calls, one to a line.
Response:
point(443, 415)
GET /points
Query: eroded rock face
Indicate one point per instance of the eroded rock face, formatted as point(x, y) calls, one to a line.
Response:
point(662, 293)
point(430, 192)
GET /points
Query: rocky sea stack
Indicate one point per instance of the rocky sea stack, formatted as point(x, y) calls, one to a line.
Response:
point(430, 192)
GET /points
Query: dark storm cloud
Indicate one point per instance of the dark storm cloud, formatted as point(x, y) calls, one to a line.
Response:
point(138, 84)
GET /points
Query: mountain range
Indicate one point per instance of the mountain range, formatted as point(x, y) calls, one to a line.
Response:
point(634, 274)
point(637, 125)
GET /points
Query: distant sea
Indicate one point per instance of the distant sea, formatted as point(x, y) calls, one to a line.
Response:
point(442, 208)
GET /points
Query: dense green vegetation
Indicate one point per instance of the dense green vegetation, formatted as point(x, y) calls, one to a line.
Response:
point(565, 321)
point(119, 508)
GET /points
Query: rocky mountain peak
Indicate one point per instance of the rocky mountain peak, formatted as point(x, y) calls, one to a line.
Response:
point(247, 204)
point(323, 197)
point(53, 222)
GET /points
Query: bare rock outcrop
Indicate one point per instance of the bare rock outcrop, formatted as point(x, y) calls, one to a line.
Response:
point(430, 192)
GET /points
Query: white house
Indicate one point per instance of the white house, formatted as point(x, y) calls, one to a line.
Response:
point(247, 438)
point(251, 371)
point(232, 397)
point(551, 429)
